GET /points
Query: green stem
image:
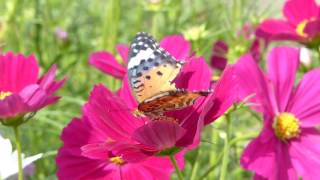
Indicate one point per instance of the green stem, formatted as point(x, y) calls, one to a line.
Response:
point(13, 13)
point(38, 27)
point(110, 33)
point(195, 167)
point(226, 148)
point(176, 167)
point(154, 28)
point(318, 52)
point(214, 165)
point(19, 153)
point(231, 143)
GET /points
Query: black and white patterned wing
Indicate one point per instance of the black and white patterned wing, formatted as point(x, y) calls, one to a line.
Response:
point(151, 69)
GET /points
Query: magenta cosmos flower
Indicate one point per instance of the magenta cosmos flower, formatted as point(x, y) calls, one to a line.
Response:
point(107, 63)
point(190, 120)
point(220, 50)
point(289, 145)
point(111, 142)
point(100, 145)
point(21, 89)
point(301, 23)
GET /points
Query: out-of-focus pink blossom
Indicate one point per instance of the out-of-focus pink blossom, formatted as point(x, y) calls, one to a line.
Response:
point(21, 89)
point(301, 23)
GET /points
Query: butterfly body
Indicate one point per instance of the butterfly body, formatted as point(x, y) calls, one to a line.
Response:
point(151, 71)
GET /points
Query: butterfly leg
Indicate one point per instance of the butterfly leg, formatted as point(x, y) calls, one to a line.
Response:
point(161, 117)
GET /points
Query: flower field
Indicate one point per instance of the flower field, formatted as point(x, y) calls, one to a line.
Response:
point(159, 89)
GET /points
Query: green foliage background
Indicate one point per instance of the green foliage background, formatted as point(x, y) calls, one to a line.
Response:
point(29, 27)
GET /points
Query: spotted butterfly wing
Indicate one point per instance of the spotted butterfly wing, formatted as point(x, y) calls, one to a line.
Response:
point(151, 71)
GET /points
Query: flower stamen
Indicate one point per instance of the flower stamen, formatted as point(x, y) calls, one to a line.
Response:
point(301, 26)
point(4, 94)
point(286, 126)
point(117, 160)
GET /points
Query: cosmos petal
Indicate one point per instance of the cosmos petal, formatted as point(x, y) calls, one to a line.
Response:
point(253, 85)
point(125, 93)
point(123, 50)
point(308, 145)
point(292, 10)
point(48, 83)
point(177, 46)
point(69, 159)
point(259, 153)
point(305, 102)
point(312, 29)
point(12, 105)
point(283, 63)
point(34, 96)
point(284, 169)
point(190, 74)
point(219, 55)
point(222, 97)
point(272, 29)
point(152, 134)
point(109, 113)
point(17, 72)
point(107, 63)
point(95, 151)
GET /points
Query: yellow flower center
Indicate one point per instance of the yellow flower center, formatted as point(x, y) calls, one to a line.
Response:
point(4, 94)
point(117, 160)
point(215, 78)
point(286, 126)
point(302, 25)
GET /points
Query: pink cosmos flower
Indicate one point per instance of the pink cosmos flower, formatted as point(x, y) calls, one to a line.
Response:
point(100, 145)
point(61, 34)
point(220, 50)
point(110, 142)
point(107, 63)
point(289, 145)
point(21, 90)
point(219, 55)
point(301, 23)
point(185, 133)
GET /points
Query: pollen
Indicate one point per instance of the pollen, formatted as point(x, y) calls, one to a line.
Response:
point(138, 113)
point(117, 160)
point(301, 26)
point(4, 94)
point(215, 78)
point(286, 126)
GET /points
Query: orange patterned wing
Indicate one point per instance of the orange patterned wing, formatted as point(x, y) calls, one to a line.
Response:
point(171, 100)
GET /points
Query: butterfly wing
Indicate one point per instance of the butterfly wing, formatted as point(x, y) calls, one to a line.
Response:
point(170, 100)
point(151, 69)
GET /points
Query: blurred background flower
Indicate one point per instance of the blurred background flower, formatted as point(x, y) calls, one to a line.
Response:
point(301, 24)
point(61, 34)
point(22, 91)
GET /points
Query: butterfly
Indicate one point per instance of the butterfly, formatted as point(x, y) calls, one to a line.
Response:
point(151, 71)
